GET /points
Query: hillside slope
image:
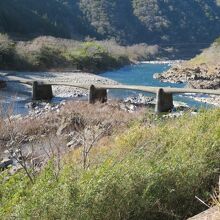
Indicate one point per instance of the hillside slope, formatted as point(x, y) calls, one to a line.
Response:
point(210, 57)
point(142, 166)
point(127, 21)
point(202, 71)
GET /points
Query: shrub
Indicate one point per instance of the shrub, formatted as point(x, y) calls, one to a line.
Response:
point(45, 53)
point(7, 51)
point(152, 172)
point(12, 190)
point(47, 57)
point(92, 56)
point(217, 41)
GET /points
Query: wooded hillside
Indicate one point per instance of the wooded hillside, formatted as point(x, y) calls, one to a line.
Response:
point(127, 21)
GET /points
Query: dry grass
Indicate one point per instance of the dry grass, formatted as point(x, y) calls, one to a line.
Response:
point(75, 115)
point(210, 56)
point(216, 197)
point(35, 45)
point(136, 52)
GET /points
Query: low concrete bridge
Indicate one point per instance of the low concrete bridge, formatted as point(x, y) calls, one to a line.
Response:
point(42, 90)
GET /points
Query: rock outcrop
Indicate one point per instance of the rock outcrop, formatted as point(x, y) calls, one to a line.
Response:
point(198, 77)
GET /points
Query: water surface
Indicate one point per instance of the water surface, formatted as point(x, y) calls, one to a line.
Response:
point(142, 74)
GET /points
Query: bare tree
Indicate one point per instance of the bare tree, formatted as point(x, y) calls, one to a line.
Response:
point(88, 137)
point(16, 153)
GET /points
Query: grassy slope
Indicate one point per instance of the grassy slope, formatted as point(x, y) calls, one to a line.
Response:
point(210, 57)
point(153, 170)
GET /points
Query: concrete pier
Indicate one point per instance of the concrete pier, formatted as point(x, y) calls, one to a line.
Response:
point(41, 91)
point(164, 101)
point(2, 84)
point(97, 95)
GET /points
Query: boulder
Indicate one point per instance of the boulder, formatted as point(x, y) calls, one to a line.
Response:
point(197, 70)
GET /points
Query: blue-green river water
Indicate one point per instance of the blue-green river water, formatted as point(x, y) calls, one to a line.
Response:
point(142, 74)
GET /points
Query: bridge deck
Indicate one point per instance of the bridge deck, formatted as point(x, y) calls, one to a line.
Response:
point(148, 89)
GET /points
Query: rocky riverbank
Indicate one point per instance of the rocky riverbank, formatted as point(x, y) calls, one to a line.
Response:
point(58, 120)
point(194, 76)
point(32, 134)
point(201, 72)
point(198, 77)
point(55, 77)
point(46, 119)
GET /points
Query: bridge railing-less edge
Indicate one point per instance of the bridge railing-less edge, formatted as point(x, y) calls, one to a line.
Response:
point(42, 90)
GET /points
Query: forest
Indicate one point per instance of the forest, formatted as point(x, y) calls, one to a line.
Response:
point(127, 21)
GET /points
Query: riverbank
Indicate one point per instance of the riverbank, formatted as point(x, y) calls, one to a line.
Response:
point(140, 74)
point(56, 54)
point(53, 77)
point(57, 120)
point(201, 72)
point(85, 153)
point(197, 77)
point(46, 119)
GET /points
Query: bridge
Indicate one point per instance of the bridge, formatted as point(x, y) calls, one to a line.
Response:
point(42, 90)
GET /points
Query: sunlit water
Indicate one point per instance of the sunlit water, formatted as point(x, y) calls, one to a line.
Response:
point(141, 74)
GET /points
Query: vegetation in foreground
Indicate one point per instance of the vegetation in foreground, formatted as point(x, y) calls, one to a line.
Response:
point(48, 53)
point(153, 169)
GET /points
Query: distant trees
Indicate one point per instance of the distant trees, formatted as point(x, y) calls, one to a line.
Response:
point(48, 53)
point(7, 51)
point(150, 14)
point(127, 21)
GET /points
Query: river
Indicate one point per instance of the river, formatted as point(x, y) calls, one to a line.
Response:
point(140, 74)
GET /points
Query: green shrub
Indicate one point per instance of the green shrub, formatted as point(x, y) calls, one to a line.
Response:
point(47, 57)
point(153, 173)
point(217, 41)
point(92, 56)
point(12, 190)
point(48, 198)
point(7, 51)
point(45, 53)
